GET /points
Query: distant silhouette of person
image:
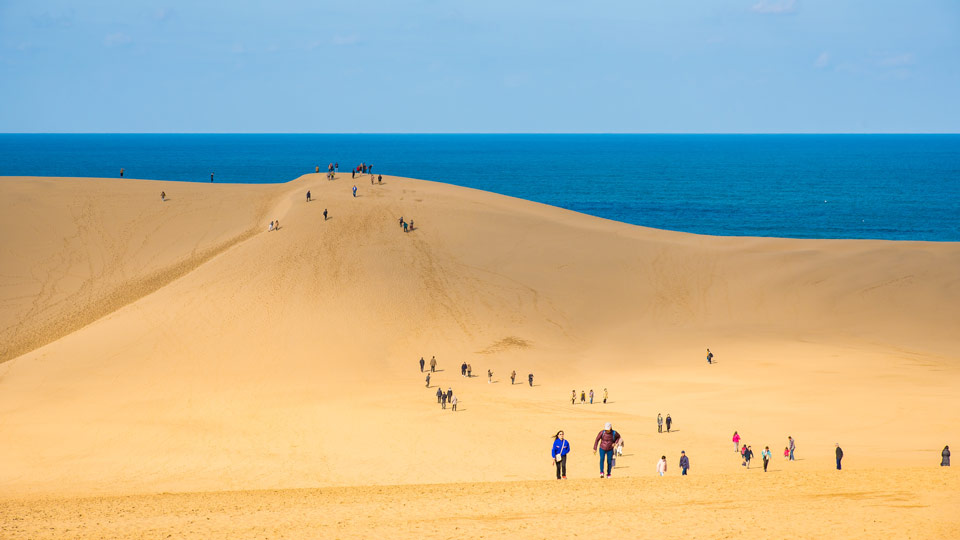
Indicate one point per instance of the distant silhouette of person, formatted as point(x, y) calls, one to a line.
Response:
point(669, 422)
point(684, 463)
point(793, 447)
point(573, 396)
point(839, 455)
point(404, 226)
point(463, 369)
point(421, 364)
point(324, 214)
point(443, 399)
point(453, 403)
point(469, 370)
point(379, 178)
point(661, 466)
point(513, 377)
point(211, 177)
point(354, 191)
point(945, 456)
point(271, 227)
point(583, 396)
point(709, 357)
point(163, 196)
point(604, 395)
point(530, 379)
point(766, 455)
point(489, 376)
point(659, 423)
point(318, 169)
point(591, 396)
point(121, 172)
point(439, 392)
point(308, 196)
point(433, 364)
point(736, 441)
point(428, 380)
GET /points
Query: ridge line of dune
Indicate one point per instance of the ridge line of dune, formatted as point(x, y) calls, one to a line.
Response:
point(125, 294)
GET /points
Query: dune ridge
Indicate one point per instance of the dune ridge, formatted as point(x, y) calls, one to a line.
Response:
point(251, 360)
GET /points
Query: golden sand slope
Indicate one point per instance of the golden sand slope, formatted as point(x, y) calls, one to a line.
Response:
point(184, 348)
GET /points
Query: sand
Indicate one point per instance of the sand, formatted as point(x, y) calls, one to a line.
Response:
point(156, 347)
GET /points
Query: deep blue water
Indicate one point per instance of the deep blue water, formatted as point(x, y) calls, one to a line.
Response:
point(897, 187)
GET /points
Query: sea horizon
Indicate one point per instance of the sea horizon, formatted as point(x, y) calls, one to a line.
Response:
point(886, 186)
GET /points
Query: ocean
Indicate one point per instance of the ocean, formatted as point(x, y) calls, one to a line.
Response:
point(891, 187)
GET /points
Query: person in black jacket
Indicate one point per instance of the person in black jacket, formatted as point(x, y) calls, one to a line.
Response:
point(421, 364)
point(684, 463)
point(839, 455)
point(945, 462)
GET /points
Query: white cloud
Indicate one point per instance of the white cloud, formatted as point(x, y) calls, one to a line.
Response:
point(164, 14)
point(778, 6)
point(346, 40)
point(822, 60)
point(897, 60)
point(117, 40)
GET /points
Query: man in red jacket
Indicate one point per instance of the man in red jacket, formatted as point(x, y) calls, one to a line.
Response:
point(607, 440)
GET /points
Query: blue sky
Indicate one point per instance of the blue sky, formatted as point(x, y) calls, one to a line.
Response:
point(730, 66)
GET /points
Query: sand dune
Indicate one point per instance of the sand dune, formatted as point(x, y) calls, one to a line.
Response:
point(179, 347)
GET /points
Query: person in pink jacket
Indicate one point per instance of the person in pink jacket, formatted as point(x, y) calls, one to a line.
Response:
point(662, 465)
point(736, 441)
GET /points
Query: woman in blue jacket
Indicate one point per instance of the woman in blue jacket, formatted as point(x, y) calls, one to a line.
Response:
point(561, 447)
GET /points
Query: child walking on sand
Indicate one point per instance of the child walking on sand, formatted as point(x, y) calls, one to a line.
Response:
point(736, 441)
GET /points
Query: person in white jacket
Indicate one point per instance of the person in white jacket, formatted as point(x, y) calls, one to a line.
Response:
point(662, 465)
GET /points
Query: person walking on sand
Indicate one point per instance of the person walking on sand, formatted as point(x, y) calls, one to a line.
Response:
point(561, 447)
point(684, 463)
point(709, 357)
point(743, 456)
point(453, 403)
point(591, 396)
point(766, 455)
point(433, 364)
point(449, 392)
point(839, 453)
point(583, 396)
point(945, 456)
point(421, 364)
point(530, 379)
point(606, 440)
point(786, 453)
point(469, 370)
point(163, 196)
point(669, 422)
point(489, 376)
point(404, 226)
point(662, 465)
point(439, 392)
point(324, 214)
point(736, 441)
point(463, 369)
point(379, 178)
point(354, 191)
point(793, 447)
point(573, 397)
point(428, 380)
point(271, 227)
point(443, 399)
point(276, 225)
point(604, 396)
point(749, 455)
point(513, 377)
point(659, 423)
point(308, 196)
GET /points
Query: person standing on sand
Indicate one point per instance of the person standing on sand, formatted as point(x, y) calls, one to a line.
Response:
point(271, 227)
point(433, 364)
point(530, 379)
point(276, 225)
point(428, 380)
point(736, 441)
point(659, 423)
point(489, 376)
point(743, 456)
point(606, 440)
point(513, 377)
point(453, 403)
point(353, 175)
point(308, 196)
point(604, 396)
point(404, 226)
point(163, 196)
point(354, 191)
point(669, 422)
point(583, 396)
point(561, 448)
point(945, 456)
point(792, 446)
point(766, 457)
point(379, 178)
point(421, 364)
point(318, 169)
point(684, 463)
point(469, 371)
point(439, 392)
point(709, 357)
point(463, 369)
point(591, 396)
point(573, 397)
point(449, 393)
point(839, 455)
point(324, 214)
point(786, 453)
point(443, 401)
point(662, 465)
